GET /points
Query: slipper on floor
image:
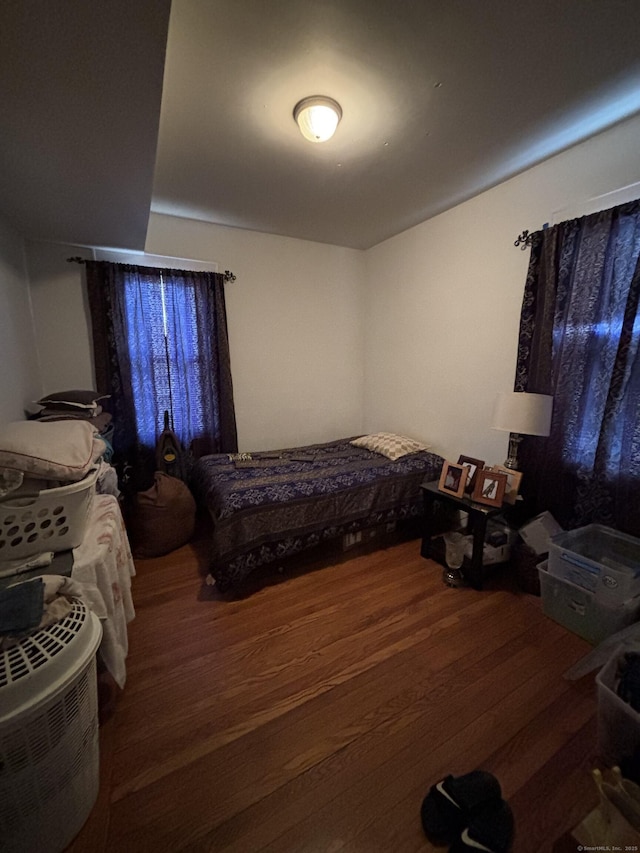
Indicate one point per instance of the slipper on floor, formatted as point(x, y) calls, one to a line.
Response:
point(490, 830)
point(450, 804)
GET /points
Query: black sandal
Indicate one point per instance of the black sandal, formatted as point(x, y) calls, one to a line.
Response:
point(449, 806)
point(490, 830)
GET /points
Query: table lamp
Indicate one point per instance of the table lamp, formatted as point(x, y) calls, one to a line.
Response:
point(520, 414)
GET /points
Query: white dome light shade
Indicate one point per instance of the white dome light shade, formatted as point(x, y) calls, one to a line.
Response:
point(317, 117)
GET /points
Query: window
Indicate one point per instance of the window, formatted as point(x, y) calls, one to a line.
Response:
point(161, 344)
point(580, 342)
point(166, 363)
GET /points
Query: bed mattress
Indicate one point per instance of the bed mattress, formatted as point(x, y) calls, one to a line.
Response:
point(268, 505)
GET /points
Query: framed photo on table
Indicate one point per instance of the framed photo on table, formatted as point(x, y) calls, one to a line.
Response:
point(475, 465)
point(453, 479)
point(514, 478)
point(489, 488)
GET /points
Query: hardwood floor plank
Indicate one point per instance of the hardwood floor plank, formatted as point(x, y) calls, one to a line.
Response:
point(530, 748)
point(315, 713)
point(218, 721)
point(559, 794)
point(417, 722)
point(451, 738)
point(420, 705)
point(298, 733)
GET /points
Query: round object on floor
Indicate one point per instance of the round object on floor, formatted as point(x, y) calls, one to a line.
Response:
point(453, 577)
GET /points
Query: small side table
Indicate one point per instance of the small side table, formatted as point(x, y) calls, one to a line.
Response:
point(478, 515)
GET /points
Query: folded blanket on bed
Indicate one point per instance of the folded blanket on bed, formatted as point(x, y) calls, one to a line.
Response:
point(271, 461)
point(256, 463)
point(268, 460)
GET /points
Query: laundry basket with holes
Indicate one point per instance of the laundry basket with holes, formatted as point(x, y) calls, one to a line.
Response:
point(45, 520)
point(49, 752)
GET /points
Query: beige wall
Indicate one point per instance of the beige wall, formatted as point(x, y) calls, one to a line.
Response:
point(61, 316)
point(444, 298)
point(416, 335)
point(295, 329)
point(19, 376)
point(295, 326)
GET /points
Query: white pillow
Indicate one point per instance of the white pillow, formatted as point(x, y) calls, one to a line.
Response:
point(58, 450)
point(389, 444)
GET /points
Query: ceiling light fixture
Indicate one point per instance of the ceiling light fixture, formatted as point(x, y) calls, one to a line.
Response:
point(317, 117)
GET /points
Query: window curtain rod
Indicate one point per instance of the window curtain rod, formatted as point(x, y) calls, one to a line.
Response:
point(606, 201)
point(76, 259)
point(524, 240)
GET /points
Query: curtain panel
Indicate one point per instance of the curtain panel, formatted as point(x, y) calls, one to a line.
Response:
point(187, 370)
point(579, 341)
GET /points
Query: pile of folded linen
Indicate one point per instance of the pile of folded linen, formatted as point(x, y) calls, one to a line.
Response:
point(74, 405)
point(34, 604)
point(48, 474)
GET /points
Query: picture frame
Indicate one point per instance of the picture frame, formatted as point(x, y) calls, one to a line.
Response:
point(453, 479)
point(475, 465)
point(489, 488)
point(514, 478)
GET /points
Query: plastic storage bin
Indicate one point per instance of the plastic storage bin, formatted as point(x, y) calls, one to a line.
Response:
point(599, 559)
point(618, 723)
point(49, 744)
point(50, 520)
point(581, 612)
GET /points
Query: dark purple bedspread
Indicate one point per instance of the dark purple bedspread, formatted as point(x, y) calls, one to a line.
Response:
point(275, 504)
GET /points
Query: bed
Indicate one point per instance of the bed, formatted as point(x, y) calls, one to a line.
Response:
point(270, 505)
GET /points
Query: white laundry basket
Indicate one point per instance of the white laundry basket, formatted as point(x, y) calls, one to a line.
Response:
point(48, 520)
point(49, 751)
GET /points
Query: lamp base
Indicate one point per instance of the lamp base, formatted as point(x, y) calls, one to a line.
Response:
point(453, 577)
point(512, 459)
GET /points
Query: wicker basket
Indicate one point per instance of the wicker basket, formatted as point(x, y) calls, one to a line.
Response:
point(49, 520)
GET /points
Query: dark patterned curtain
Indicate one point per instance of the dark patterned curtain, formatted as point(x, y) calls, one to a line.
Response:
point(580, 341)
point(160, 343)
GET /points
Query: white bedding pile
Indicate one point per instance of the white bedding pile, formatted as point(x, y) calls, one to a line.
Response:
point(62, 451)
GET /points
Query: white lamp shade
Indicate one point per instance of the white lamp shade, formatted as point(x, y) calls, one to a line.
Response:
point(527, 414)
point(317, 117)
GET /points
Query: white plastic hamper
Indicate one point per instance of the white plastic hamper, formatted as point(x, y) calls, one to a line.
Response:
point(49, 750)
point(49, 520)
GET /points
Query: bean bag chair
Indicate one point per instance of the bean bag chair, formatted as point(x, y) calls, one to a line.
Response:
point(162, 518)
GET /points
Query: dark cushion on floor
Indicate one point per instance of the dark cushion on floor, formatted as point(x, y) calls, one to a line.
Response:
point(162, 518)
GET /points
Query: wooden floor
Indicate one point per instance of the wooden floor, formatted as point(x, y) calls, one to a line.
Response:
point(314, 714)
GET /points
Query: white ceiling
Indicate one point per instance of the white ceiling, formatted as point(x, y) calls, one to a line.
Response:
point(441, 99)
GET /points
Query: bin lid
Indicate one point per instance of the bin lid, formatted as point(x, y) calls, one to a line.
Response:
point(43, 663)
point(602, 544)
